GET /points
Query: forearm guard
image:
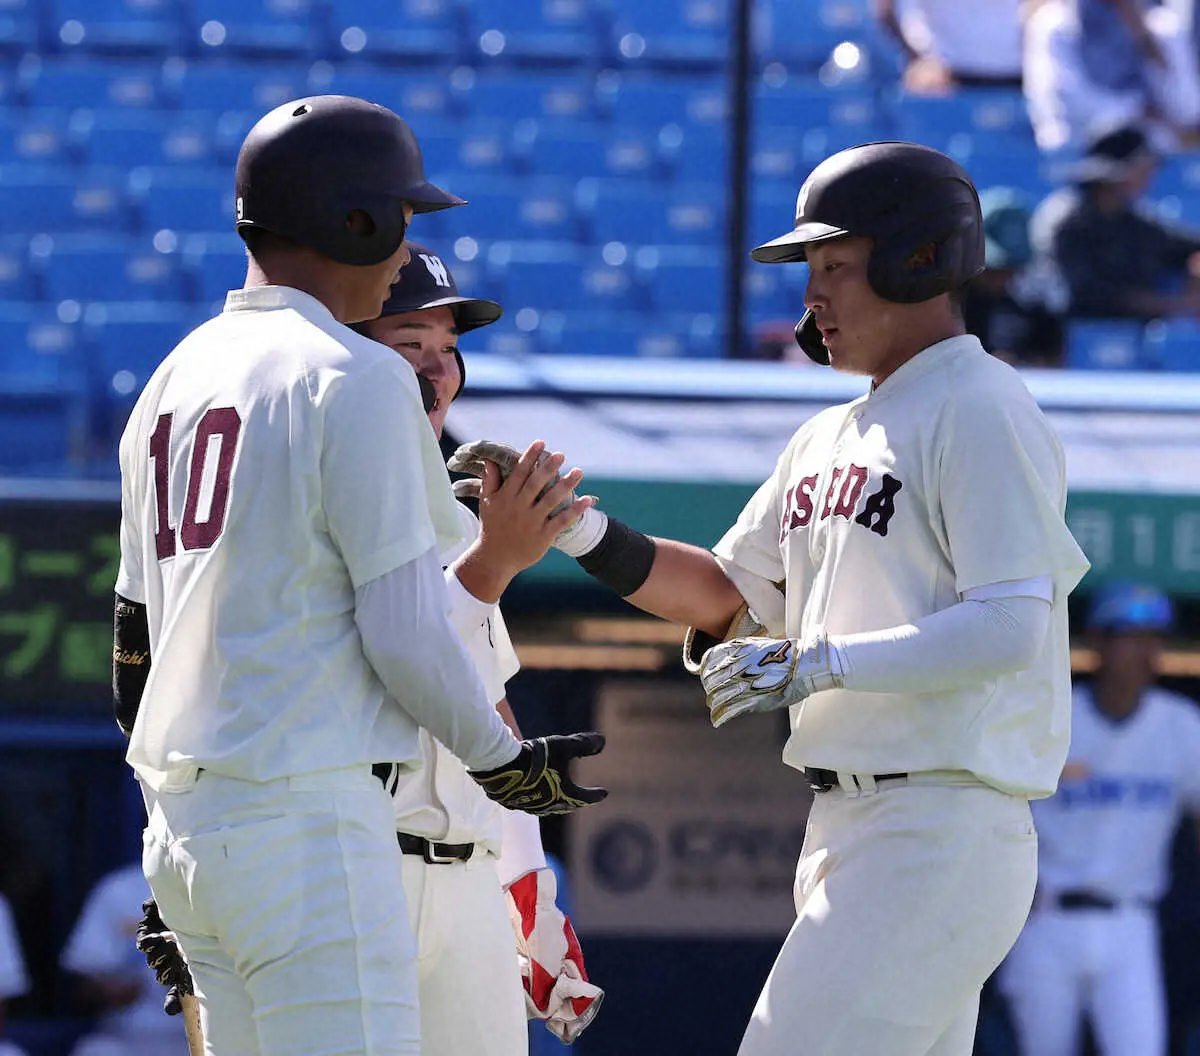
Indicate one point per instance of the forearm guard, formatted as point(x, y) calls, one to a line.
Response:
point(131, 660)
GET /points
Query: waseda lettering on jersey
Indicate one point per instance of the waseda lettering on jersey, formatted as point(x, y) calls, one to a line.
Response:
point(797, 506)
point(841, 499)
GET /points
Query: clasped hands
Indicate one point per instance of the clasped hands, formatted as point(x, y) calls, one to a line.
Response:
point(753, 674)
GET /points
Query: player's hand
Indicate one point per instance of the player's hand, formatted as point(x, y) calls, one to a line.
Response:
point(753, 674)
point(537, 782)
point(572, 527)
point(162, 952)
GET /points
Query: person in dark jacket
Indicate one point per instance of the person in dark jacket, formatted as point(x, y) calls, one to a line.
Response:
point(1115, 258)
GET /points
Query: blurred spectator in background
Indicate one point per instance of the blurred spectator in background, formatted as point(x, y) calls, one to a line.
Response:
point(944, 49)
point(1115, 259)
point(1095, 65)
point(13, 981)
point(1091, 945)
point(116, 982)
point(1011, 316)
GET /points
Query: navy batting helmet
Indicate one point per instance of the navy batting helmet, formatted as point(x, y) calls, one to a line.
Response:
point(904, 197)
point(1123, 607)
point(308, 164)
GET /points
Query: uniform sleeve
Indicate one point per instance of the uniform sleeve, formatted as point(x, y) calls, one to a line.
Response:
point(130, 580)
point(386, 493)
point(13, 980)
point(749, 552)
point(1002, 489)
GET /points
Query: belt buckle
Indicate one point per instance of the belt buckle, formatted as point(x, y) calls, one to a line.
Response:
point(820, 779)
point(432, 858)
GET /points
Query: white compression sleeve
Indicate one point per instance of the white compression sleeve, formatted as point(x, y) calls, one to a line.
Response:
point(994, 631)
point(422, 664)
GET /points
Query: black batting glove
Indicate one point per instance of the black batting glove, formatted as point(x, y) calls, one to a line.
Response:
point(536, 781)
point(161, 949)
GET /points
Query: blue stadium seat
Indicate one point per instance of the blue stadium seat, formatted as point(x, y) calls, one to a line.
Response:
point(418, 95)
point(646, 335)
point(73, 83)
point(425, 29)
point(280, 28)
point(768, 296)
point(19, 25)
point(182, 200)
point(608, 286)
point(695, 156)
point(213, 264)
point(684, 282)
point(1174, 345)
point(995, 115)
point(533, 211)
point(126, 341)
point(510, 98)
point(33, 136)
point(993, 163)
point(1105, 344)
point(455, 147)
point(804, 34)
point(679, 33)
point(145, 137)
point(635, 212)
point(534, 31)
point(799, 105)
point(104, 268)
point(42, 405)
point(652, 103)
point(17, 279)
point(579, 149)
point(220, 86)
point(545, 276)
point(43, 198)
point(118, 26)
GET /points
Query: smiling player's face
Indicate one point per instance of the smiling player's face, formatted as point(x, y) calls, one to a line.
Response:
point(428, 339)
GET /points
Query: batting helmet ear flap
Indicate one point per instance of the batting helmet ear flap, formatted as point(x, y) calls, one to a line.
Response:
point(956, 235)
point(428, 392)
point(808, 337)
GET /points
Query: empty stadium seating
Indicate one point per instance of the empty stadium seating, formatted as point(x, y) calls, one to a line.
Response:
point(591, 137)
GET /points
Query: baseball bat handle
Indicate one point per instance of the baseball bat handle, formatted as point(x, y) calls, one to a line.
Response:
point(191, 1024)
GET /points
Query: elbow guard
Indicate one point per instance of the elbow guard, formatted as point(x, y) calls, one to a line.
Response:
point(131, 660)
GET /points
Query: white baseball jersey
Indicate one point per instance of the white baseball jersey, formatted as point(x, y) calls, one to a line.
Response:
point(944, 478)
point(275, 461)
point(1125, 784)
point(13, 980)
point(441, 801)
point(102, 944)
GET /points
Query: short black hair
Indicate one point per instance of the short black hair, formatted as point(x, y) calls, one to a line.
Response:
point(260, 241)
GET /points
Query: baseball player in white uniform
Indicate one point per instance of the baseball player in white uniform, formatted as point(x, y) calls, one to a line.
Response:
point(1091, 946)
point(101, 950)
point(452, 835)
point(281, 611)
point(906, 567)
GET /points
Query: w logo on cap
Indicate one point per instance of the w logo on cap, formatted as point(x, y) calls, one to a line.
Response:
point(436, 269)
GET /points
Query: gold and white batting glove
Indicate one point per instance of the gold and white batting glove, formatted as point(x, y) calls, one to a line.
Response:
point(575, 540)
point(754, 674)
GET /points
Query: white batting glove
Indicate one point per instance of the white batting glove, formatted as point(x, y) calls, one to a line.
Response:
point(754, 674)
point(575, 540)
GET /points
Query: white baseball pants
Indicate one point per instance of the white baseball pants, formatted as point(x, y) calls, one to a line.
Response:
point(472, 1000)
point(907, 899)
point(284, 898)
point(1102, 963)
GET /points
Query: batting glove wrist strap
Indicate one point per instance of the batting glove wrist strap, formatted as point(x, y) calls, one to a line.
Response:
point(537, 782)
point(754, 674)
point(584, 535)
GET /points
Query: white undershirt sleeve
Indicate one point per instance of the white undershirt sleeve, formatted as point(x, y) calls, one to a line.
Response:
point(997, 629)
point(421, 661)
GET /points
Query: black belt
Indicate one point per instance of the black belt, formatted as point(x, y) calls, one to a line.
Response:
point(435, 853)
point(821, 780)
point(1084, 900)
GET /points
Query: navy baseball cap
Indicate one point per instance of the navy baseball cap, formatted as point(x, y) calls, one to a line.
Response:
point(1130, 607)
point(426, 282)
